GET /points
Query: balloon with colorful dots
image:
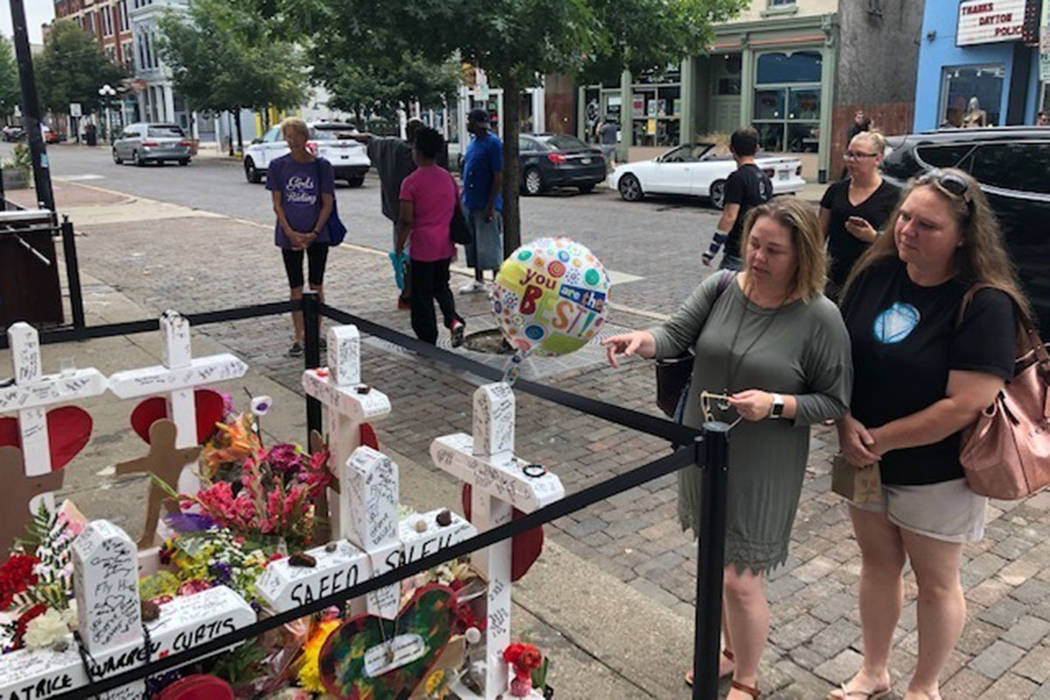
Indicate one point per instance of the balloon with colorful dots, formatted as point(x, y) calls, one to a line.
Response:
point(550, 298)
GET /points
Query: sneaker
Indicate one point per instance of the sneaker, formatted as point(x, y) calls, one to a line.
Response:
point(457, 333)
point(296, 350)
point(403, 304)
point(472, 287)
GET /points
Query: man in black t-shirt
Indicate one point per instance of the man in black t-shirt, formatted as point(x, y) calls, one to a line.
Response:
point(747, 187)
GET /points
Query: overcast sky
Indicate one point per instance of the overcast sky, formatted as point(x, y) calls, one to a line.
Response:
point(37, 12)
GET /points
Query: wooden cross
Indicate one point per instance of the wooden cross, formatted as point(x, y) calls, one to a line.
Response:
point(500, 482)
point(176, 378)
point(166, 461)
point(323, 533)
point(347, 401)
point(32, 393)
point(19, 492)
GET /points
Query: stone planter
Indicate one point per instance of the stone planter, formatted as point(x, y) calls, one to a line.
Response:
point(15, 179)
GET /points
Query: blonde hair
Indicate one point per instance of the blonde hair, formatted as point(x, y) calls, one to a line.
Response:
point(295, 124)
point(875, 138)
point(800, 218)
point(981, 259)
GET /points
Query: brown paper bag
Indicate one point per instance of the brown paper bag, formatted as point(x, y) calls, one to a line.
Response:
point(859, 485)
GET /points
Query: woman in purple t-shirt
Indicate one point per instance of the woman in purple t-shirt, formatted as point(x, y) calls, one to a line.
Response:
point(428, 198)
point(303, 191)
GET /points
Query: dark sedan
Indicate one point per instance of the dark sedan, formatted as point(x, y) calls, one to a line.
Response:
point(558, 160)
point(1012, 165)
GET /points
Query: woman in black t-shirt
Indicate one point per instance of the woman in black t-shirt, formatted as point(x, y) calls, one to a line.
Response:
point(853, 210)
point(920, 376)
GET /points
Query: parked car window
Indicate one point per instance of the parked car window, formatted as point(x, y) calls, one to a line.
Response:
point(527, 144)
point(564, 142)
point(170, 131)
point(331, 132)
point(946, 156)
point(130, 133)
point(1013, 166)
point(272, 135)
point(682, 154)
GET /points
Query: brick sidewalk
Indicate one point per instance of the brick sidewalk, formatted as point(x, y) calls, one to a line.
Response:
point(195, 264)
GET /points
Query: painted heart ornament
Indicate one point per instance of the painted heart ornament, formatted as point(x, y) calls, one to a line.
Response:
point(68, 432)
point(209, 405)
point(367, 657)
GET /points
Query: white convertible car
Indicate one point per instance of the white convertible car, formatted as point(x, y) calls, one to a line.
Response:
point(695, 169)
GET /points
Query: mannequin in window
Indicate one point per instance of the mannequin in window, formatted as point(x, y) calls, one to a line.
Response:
point(975, 116)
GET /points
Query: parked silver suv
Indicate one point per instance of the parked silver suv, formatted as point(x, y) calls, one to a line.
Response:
point(144, 142)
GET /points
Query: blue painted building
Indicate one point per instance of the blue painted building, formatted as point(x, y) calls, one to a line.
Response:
point(975, 49)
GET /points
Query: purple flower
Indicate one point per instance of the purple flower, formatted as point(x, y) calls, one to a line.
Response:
point(221, 572)
point(189, 522)
point(284, 458)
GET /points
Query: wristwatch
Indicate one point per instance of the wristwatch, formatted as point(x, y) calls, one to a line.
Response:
point(777, 409)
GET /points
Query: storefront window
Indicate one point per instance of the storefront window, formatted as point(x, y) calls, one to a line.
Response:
point(727, 75)
point(787, 101)
point(961, 84)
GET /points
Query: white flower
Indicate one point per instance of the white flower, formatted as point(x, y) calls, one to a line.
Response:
point(69, 615)
point(261, 405)
point(43, 631)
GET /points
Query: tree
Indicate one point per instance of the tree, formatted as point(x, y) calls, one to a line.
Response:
point(516, 42)
point(9, 90)
point(222, 59)
point(71, 68)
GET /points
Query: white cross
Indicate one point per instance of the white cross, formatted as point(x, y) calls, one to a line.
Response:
point(109, 621)
point(499, 484)
point(176, 379)
point(32, 393)
point(347, 401)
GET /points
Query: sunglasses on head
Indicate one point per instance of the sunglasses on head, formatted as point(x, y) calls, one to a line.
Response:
point(950, 184)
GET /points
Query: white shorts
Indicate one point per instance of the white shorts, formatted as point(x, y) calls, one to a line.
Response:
point(947, 511)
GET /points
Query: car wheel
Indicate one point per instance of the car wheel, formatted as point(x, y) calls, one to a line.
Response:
point(356, 181)
point(533, 182)
point(184, 161)
point(251, 174)
point(586, 189)
point(137, 159)
point(630, 188)
point(718, 194)
point(117, 159)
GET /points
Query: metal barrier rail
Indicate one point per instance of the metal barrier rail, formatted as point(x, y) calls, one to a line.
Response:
point(705, 449)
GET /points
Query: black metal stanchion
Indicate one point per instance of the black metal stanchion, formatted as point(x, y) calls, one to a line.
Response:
point(69, 252)
point(710, 562)
point(312, 355)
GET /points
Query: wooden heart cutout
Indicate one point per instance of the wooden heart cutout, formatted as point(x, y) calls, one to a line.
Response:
point(359, 646)
point(68, 431)
point(210, 410)
point(525, 548)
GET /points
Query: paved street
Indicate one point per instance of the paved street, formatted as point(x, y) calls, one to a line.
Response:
point(193, 262)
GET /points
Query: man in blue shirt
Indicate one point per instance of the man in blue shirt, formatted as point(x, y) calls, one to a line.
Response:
point(482, 199)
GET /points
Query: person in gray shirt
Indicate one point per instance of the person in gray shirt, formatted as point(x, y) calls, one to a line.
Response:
point(607, 136)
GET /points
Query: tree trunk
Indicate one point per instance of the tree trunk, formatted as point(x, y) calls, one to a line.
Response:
point(237, 123)
point(511, 165)
point(229, 125)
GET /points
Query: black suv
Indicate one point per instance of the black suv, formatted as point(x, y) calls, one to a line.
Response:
point(1013, 166)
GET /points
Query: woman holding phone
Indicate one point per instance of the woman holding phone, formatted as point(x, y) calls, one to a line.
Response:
point(853, 210)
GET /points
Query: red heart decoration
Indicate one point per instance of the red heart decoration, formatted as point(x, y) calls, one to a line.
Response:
point(210, 410)
point(68, 431)
point(198, 687)
point(524, 548)
point(369, 437)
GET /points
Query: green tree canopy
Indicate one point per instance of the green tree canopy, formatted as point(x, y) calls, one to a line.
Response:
point(71, 68)
point(9, 91)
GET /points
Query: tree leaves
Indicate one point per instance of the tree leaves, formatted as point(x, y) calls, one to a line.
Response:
point(71, 68)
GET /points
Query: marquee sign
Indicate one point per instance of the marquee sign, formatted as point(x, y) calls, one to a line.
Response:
point(990, 21)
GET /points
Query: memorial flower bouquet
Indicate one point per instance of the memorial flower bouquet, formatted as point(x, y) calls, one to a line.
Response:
point(524, 659)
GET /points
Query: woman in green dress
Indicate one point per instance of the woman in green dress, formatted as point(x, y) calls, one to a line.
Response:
point(776, 351)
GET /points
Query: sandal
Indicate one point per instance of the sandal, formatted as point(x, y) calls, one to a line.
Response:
point(859, 694)
point(726, 653)
point(753, 692)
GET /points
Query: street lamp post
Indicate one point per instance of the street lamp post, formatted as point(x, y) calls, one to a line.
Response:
point(106, 92)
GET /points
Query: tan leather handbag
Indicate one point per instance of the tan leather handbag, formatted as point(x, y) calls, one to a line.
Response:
point(1006, 452)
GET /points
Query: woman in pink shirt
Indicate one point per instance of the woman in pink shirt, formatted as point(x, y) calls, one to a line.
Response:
point(428, 197)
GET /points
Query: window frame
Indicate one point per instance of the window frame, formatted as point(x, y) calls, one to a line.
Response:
point(785, 121)
point(942, 99)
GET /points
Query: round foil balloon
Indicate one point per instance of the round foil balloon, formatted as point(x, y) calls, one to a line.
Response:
point(550, 297)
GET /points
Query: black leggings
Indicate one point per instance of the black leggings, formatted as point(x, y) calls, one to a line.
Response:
point(316, 255)
point(430, 284)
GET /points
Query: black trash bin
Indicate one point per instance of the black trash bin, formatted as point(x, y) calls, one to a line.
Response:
point(29, 286)
point(91, 135)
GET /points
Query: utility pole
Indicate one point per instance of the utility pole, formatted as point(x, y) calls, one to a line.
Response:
point(31, 108)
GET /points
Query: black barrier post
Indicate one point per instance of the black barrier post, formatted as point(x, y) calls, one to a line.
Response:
point(710, 562)
point(312, 356)
point(69, 252)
